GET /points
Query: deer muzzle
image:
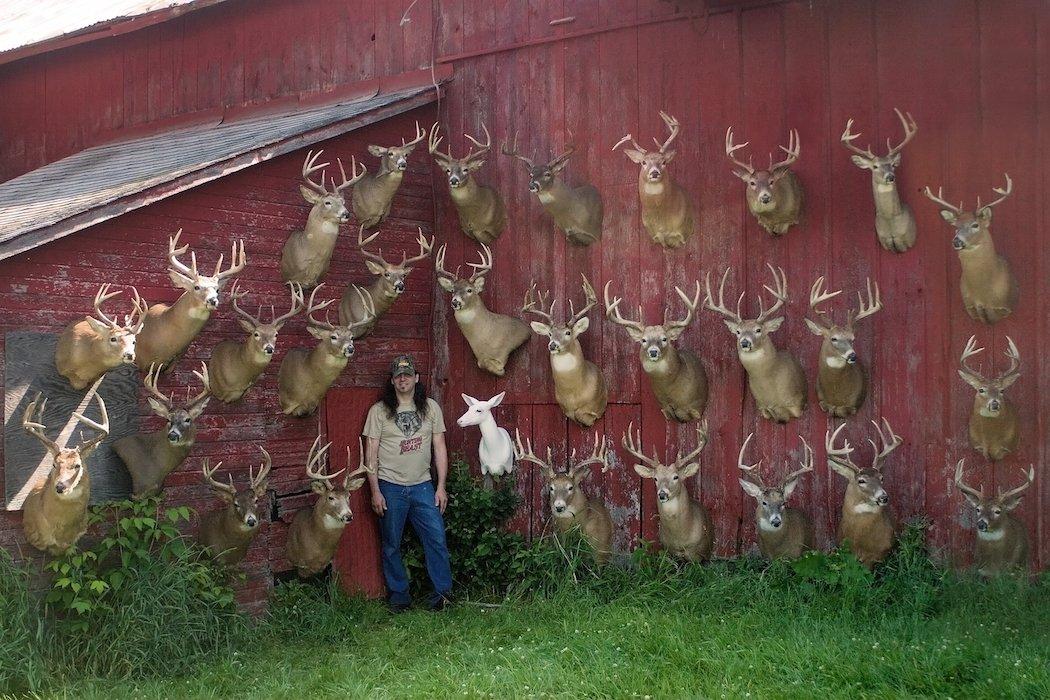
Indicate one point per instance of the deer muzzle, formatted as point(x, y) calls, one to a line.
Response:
point(251, 521)
point(553, 346)
point(653, 353)
point(212, 302)
point(765, 198)
point(882, 498)
point(993, 407)
point(776, 520)
point(174, 436)
point(454, 180)
point(399, 286)
point(654, 174)
point(457, 303)
point(268, 349)
point(663, 495)
point(534, 186)
point(958, 243)
point(402, 163)
point(348, 351)
point(746, 344)
point(851, 358)
point(982, 525)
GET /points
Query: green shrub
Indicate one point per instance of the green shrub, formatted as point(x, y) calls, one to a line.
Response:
point(21, 631)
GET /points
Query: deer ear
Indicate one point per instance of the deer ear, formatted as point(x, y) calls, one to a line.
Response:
point(751, 489)
point(689, 470)
point(675, 332)
point(969, 380)
point(972, 500)
point(578, 473)
point(225, 496)
point(645, 472)
point(732, 325)
point(814, 327)
point(446, 284)
point(96, 325)
point(772, 324)
point(559, 167)
point(861, 162)
point(470, 400)
point(319, 333)
point(789, 488)
point(1008, 382)
point(374, 267)
point(841, 469)
point(540, 328)
point(1011, 503)
point(497, 399)
point(636, 156)
point(474, 165)
point(479, 285)
point(896, 160)
point(309, 195)
point(199, 408)
point(742, 174)
point(580, 326)
point(179, 281)
point(159, 408)
point(355, 484)
point(669, 156)
point(318, 487)
point(948, 215)
point(636, 335)
point(248, 327)
point(984, 214)
point(377, 151)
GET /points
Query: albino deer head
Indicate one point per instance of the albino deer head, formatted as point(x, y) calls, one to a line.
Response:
point(561, 333)
point(478, 411)
point(991, 393)
point(653, 163)
point(771, 499)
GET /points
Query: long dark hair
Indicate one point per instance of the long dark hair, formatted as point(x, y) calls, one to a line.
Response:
point(389, 398)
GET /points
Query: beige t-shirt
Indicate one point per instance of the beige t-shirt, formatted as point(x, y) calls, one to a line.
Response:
point(405, 441)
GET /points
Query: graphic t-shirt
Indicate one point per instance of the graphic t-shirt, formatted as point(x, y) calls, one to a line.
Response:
point(405, 441)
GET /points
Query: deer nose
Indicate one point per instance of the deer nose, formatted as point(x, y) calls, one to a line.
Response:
point(212, 302)
point(765, 198)
point(559, 509)
point(348, 517)
point(399, 287)
point(662, 495)
point(775, 521)
point(654, 174)
point(129, 357)
point(993, 405)
point(851, 358)
point(344, 216)
point(654, 354)
point(456, 303)
point(745, 344)
point(883, 499)
point(552, 346)
point(453, 180)
point(60, 487)
point(534, 186)
point(173, 436)
point(348, 351)
point(402, 164)
point(268, 349)
point(958, 243)
point(251, 521)
point(890, 177)
point(982, 525)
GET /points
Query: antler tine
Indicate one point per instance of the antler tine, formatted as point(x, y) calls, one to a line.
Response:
point(805, 464)
point(433, 141)
point(969, 351)
point(1030, 477)
point(204, 380)
point(317, 464)
point(362, 242)
point(890, 441)
point(625, 139)
point(910, 129)
point(362, 468)
point(873, 305)
point(793, 149)
point(313, 308)
point(513, 152)
point(701, 443)
point(257, 482)
point(481, 269)
point(599, 455)
point(1015, 359)
point(367, 304)
point(421, 134)
point(780, 293)
point(753, 470)
point(720, 307)
point(690, 305)
point(731, 149)
point(1004, 192)
point(297, 304)
point(939, 199)
point(35, 427)
point(959, 484)
point(847, 141)
point(590, 299)
point(532, 298)
point(818, 295)
point(523, 453)
point(558, 160)
point(612, 311)
point(102, 427)
point(236, 294)
point(632, 442)
point(175, 265)
point(425, 248)
point(839, 455)
point(137, 318)
point(209, 478)
point(471, 155)
point(237, 262)
point(439, 264)
point(311, 166)
point(101, 296)
point(673, 127)
point(354, 175)
point(150, 383)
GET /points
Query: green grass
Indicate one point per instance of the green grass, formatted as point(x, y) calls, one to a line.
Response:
point(729, 630)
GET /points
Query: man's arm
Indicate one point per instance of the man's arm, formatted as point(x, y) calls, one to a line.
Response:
point(372, 461)
point(441, 464)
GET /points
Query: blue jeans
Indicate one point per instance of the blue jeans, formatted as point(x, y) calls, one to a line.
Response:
point(416, 504)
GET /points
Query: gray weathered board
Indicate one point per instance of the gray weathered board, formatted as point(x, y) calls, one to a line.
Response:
point(30, 367)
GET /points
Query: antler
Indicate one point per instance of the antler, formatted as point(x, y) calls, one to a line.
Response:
point(701, 443)
point(297, 305)
point(513, 152)
point(979, 495)
point(206, 390)
point(366, 303)
point(362, 468)
point(818, 295)
point(102, 427)
point(847, 141)
point(311, 166)
point(1015, 361)
point(720, 307)
point(176, 266)
point(969, 351)
point(532, 298)
point(524, 453)
point(793, 149)
point(313, 308)
point(557, 161)
point(589, 297)
point(690, 305)
point(865, 309)
point(731, 149)
point(910, 128)
point(1004, 192)
point(257, 483)
point(481, 269)
point(612, 310)
point(355, 176)
point(362, 242)
point(625, 139)
point(1022, 488)
point(101, 296)
point(421, 133)
point(599, 455)
point(36, 427)
point(632, 442)
point(439, 265)
point(236, 294)
point(141, 308)
point(780, 293)
point(471, 155)
point(433, 141)
point(839, 455)
point(425, 248)
point(673, 127)
point(209, 479)
point(237, 262)
point(150, 383)
point(939, 199)
point(805, 464)
point(317, 464)
point(751, 469)
point(890, 441)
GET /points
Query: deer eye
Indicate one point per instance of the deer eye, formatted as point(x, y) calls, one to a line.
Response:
point(675, 477)
point(982, 391)
point(196, 287)
point(567, 333)
point(663, 339)
point(751, 182)
point(737, 332)
point(552, 488)
point(547, 173)
point(328, 204)
point(470, 290)
point(997, 511)
point(113, 339)
point(765, 503)
point(974, 226)
point(256, 334)
point(333, 336)
point(569, 489)
point(862, 481)
point(186, 421)
point(758, 331)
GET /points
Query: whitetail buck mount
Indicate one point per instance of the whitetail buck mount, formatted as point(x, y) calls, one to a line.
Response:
point(570, 506)
point(492, 337)
point(482, 215)
point(677, 376)
point(775, 377)
point(577, 211)
point(54, 514)
point(774, 195)
point(1002, 539)
point(387, 287)
point(989, 289)
point(866, 520)
point(150, 457)
point(168, 330)
point(783, 532)
point(496, 450)
point(315, 532)
point(227, 532)
point(579, 386)
point(89, 348)
point(235, 365)
point(686, 530)
point(306, 375)
point(373, 193)
point(894, 221)
point(842, 379)
point(994, 428)
point(308, 253)
point(667, 212)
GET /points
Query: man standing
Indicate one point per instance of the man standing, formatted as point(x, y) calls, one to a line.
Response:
point(403, 429)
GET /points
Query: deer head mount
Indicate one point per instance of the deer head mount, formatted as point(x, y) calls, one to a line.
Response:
point(389, 283)
point(236, 365)
point(1002, 540)
point(577, 211)
point(54, 514)
point(686, 531)
point(308, 253)
point(994, 423)
point(315, 532)
point(667, 213)
point(894, 222)
point(570, 506)
point(989, 289)
point(168, 330)
point(495, 451)
point(482, 215)
point(89, 348)
point(150, 457)
point(227, 532)
point(783, 532)
point(305, 376)
point(842, 381)
point(372, 194)
point(579, 385)
point(677, 377)
point(774, 195)
point(492, 337)
point(775, 377)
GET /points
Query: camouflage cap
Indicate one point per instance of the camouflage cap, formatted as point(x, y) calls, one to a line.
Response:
point(402, 364)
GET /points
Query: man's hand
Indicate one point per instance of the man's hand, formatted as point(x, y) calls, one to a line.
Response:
point(440, 498)
point(378, 502)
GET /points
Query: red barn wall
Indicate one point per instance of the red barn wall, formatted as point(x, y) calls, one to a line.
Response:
point(972, 73)
point(52, 285)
